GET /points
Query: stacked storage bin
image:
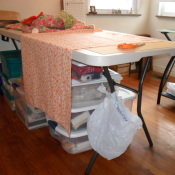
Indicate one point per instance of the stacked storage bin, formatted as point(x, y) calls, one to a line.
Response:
point(11, 68)
point(11, 75)
point(85, 98)
point(32, 117)
point(78, 141)
point(1, 83)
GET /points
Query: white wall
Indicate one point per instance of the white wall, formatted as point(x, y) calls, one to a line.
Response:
point(125, 24)
point(27, 9)
point(159, 62)
point(31, 7)
point(147, 23)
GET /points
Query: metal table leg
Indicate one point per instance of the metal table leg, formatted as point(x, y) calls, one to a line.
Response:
point(14, 43)
point(6, 39)
point(139, 103)
point(95, 155)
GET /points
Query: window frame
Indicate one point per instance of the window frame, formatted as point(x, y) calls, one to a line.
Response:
point(162, 11)
point(133, 10)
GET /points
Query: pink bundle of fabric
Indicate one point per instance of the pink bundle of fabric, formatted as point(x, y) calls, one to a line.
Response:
point(49, 23)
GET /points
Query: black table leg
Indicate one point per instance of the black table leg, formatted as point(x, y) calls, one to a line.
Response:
point(111, 85)
point(91, 163)
point(14, 43)
point(139, 103)
point(6, 39)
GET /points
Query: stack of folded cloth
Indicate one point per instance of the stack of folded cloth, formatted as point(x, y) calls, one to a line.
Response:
point(82, 72)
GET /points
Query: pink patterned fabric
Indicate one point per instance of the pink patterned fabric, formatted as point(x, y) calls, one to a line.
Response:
point(49, 23)
point(45, 29)
point(47, 67)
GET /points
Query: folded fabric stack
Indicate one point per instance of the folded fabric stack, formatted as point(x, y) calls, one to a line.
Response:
point(83, 72)
point(49, 23)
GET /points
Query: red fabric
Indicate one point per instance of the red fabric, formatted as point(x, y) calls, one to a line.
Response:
point(28, 21)
point(86, 69)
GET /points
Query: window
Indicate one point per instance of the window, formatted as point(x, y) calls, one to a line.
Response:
point(166, 8)
point(115, 6)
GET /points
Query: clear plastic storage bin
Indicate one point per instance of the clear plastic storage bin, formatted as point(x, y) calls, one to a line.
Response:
point(8, 98)
point(86, 94)
point(78, 141)
point(127, 97)
point(8, 83)
point(32, 117)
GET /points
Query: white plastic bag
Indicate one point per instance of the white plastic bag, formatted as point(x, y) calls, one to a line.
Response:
point(111, 127)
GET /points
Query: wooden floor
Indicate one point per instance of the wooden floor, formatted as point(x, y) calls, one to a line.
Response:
point(35, 152)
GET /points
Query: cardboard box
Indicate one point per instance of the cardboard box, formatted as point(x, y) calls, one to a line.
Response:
point(123, 69)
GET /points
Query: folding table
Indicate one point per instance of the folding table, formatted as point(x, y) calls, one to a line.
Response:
point(105, 56)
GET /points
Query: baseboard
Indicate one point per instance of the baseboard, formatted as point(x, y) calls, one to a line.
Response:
point(162, 69)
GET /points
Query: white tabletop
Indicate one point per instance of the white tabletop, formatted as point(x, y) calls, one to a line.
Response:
point(14, 34)
point(97, 59)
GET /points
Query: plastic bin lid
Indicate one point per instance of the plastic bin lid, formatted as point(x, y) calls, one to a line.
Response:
point(84, 106)
point(116, 76)
point(10, 81)
point(79, 64)
point(126, 94)
point(7, 94)
point(74, 133)
point(20, 90)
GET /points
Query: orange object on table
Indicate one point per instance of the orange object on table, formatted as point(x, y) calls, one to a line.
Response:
point(129, 45)
point(28, 21)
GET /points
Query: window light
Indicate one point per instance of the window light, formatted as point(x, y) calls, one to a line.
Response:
point(106, 6)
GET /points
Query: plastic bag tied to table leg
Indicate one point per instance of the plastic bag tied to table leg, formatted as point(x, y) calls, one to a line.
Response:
point(111, 126)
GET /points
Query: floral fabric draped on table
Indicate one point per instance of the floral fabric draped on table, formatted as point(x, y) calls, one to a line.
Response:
point(47, 67)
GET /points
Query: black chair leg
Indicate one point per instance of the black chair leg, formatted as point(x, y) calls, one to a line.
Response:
point(165, 77)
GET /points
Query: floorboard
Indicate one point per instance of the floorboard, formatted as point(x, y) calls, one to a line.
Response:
point(35, 152)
